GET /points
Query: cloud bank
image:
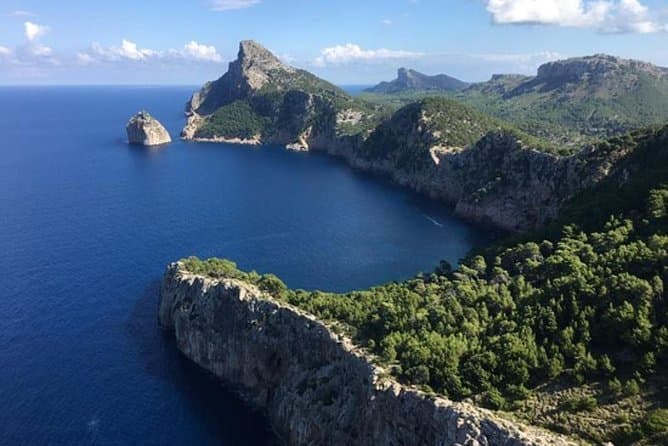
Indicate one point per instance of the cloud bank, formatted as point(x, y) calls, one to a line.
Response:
point(607, 16)
point(129, 51)
point(350, 52)
point(228, 5)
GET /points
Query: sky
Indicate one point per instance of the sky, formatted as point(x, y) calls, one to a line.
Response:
point(349, 42)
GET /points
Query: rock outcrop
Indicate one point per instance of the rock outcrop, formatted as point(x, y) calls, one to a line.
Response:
point(316, 386)
point(144, 129)
point(411, 80)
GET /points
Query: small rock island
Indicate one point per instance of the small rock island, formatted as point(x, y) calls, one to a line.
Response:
point(144, 129)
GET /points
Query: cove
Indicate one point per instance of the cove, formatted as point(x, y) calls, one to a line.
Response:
point(88, 224)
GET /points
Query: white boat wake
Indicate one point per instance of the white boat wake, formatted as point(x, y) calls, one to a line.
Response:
point(434, 221)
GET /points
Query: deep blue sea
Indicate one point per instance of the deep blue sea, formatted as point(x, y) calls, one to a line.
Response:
point(88, 225)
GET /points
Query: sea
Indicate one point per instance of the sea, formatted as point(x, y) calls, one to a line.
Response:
point(88, 225)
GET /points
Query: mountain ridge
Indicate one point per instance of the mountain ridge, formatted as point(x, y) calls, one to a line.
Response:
point(408, 79)
point(571, 102)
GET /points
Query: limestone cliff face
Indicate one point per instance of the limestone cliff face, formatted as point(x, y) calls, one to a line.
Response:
point(316, 386)
point(145, 130)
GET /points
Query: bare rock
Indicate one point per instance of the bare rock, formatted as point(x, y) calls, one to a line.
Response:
point(144, 129)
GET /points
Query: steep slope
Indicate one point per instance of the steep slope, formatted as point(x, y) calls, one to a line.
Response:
point(411, 80)
point(261, 99)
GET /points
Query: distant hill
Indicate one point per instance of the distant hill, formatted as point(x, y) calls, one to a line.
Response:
point(597, 95)
point(571, 102)
point(411, 80)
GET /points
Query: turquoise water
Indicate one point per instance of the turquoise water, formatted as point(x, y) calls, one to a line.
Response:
point(88, 224)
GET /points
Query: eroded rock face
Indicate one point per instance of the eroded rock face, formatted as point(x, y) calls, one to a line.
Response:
point(316, 386)
point(144, 129)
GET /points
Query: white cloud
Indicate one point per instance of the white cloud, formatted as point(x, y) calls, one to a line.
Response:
point(198, 51)
point(5, 52)
point(39, 50)
point(386, 22)
point(228, 5)
point(21, 13)
point(33, 31)
point(542, 56)
point(525, 63)
point(130, 51)
point(350, 52)
point(608, 16)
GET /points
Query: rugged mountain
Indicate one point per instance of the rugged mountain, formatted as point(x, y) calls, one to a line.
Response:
point(144, 129)
point(411, 80)
point(597, 95)
point(261, 99)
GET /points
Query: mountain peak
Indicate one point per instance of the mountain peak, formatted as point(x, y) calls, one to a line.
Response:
point(251, 50)
point(254, 57)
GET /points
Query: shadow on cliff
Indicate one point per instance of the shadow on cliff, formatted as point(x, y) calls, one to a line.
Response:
point(224, 415)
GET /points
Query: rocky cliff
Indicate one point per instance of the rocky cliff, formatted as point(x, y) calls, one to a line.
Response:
point(144, 129)
point(316, 386)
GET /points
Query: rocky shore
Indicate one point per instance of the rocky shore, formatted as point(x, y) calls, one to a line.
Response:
point(315, 385)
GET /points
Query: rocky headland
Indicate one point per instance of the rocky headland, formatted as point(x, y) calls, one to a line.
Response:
point(143, 129)
point(315, 385)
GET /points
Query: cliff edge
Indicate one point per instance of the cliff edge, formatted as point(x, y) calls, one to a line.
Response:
point(316, 386)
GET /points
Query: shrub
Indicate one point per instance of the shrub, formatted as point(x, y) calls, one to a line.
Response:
point(631, 387)
point(579, 404)
point(657, 422)
point(493, 399)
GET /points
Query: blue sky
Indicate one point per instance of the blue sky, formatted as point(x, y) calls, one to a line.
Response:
point(347, 42)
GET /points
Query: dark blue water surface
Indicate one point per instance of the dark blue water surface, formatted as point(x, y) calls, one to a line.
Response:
point(88, 224)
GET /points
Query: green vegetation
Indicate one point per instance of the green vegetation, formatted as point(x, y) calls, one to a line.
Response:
point(236, 119)
point(413, 130)
point(571, 112)
point(585, 306)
